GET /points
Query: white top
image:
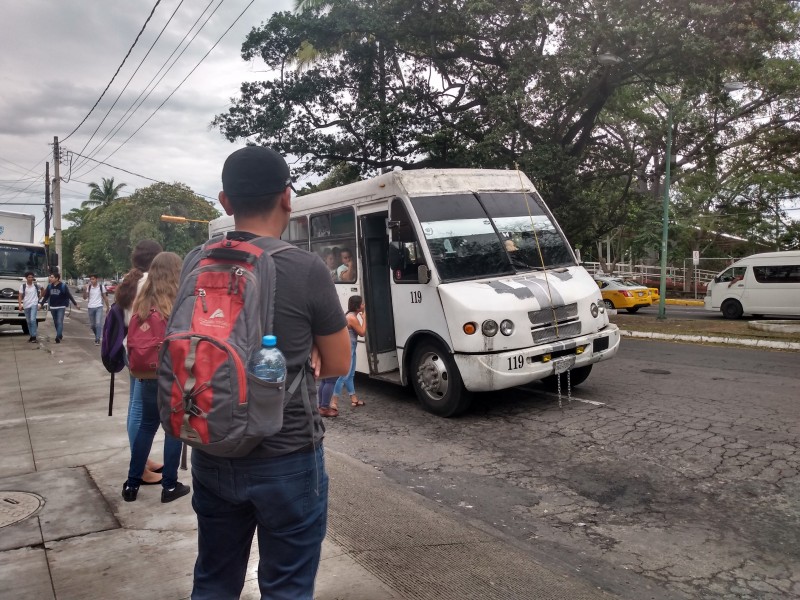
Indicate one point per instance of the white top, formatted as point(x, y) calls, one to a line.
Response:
point(30, 295)
point(128, 311)
point(95, 295)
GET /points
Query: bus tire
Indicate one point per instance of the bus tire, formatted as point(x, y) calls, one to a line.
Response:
point(576, 377)
point(731, 309)
point(437, 382)
point(25, 329)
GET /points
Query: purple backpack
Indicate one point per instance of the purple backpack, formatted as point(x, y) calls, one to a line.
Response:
point(112, 350)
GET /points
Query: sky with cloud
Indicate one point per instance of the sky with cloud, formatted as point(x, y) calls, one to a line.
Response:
point(56, 58)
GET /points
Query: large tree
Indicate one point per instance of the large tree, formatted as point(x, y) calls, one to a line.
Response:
point(103, 243)
point(404, 83)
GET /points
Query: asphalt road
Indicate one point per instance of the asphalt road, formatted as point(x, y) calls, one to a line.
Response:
point(694, 312)
point(673, 473)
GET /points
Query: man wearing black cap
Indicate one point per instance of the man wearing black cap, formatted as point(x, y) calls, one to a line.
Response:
point(281, 488)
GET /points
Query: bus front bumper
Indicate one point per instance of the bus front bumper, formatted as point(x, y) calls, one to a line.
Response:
point(487, 372)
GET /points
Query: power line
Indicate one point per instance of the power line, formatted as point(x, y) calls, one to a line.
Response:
point(141, 31)
point(126, 116)
point(127, 83)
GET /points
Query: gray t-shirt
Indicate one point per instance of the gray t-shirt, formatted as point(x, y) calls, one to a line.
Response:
point(306, 305)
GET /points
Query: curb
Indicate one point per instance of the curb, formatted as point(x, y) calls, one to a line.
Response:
point(710, 339)
point(677, 302)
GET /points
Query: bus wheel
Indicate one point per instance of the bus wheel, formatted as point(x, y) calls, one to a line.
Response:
point(576, 377)
point(731, 309)
point(437, 382)
point(25, 329)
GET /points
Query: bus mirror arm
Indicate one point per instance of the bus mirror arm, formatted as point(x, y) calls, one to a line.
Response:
point(395, 256)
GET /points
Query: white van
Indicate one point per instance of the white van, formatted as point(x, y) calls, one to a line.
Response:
point(761, 284)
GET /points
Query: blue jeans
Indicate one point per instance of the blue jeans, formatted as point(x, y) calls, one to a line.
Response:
point(347, 380)
point(284, 499)
point(30, 317)
point(134, 412)
point(325, 391)
point(96, 321)
point(58, 320)
point(147, 390)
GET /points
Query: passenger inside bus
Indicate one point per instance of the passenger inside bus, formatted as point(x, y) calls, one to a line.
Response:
point(329, 258)
point(347, 270)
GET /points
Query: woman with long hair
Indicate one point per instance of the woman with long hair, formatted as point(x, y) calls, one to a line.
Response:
point(142, 256)
point(158, 293)
point(355, 327)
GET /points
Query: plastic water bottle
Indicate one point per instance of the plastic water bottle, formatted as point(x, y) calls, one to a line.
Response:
point(267, 363)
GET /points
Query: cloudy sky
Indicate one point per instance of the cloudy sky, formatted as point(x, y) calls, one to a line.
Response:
point(56, 58)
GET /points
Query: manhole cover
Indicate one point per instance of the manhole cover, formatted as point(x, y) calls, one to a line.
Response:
point(656, 371)
point(18, 506)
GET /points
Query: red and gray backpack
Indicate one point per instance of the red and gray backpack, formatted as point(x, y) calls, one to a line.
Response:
point(225, 304)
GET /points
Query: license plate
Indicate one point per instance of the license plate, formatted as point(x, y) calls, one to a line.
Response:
point(8, 308)
point(562, 365)
point(641, 294)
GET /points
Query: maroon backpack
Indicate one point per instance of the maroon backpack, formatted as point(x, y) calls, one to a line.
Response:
point(144, 342)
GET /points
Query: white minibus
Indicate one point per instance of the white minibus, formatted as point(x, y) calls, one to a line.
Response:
point(469, 282)
point(761, 284)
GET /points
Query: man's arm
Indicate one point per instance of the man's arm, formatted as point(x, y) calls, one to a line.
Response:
point(334, 354)
point(19, 299)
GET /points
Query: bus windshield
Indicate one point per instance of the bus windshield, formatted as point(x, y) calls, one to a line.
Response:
point(471, 236)
point(15, 261)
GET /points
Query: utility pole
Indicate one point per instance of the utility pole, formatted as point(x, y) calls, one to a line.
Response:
point(47, 212)
point(57, 199)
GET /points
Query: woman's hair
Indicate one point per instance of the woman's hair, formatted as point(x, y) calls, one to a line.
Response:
point(144, 253)
point(160, 287)
point(141, 258)
point(354, 303)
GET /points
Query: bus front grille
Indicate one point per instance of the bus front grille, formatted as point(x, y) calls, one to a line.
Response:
point(555, 323)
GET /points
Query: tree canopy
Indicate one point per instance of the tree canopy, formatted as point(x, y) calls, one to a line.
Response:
point(101, 239)
point(470, 83)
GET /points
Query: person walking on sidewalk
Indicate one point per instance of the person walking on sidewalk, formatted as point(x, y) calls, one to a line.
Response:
point(281, 488)
point(355, 327)
point(158, 293)
point(59, 296)
point(29, 295)
point(97, 297)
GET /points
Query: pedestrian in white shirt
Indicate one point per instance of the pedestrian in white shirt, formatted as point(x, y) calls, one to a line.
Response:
point(29, 295)
point(97, 297)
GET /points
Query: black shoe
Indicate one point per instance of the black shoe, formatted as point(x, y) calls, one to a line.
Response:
point(173, 494)
point(58, 340)
point(129, 492)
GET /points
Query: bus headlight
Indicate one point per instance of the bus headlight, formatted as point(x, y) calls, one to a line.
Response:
point(489, 328)
point(506, 327)
point(594, 310)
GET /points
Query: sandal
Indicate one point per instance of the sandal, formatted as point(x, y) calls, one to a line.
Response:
point(334, 404)
point(355, 402)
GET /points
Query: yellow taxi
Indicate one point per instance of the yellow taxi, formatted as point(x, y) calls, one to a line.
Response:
point(620, 293)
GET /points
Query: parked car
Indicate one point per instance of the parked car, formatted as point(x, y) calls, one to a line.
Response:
point(111, 286)
point(620, 293)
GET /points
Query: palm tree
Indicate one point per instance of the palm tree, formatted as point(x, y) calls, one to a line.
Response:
point(103, 195)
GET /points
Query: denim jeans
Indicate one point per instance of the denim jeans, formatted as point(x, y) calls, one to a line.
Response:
point(347, 380)
point(96, 321)
point(134, 412)
point(284, 499)
point(325, 391)
point(58, 320)
point(30, 317)
point(147, 390)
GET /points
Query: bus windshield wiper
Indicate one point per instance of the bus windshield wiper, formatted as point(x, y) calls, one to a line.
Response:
point(516, 262)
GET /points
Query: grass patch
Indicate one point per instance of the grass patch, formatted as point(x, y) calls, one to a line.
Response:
point(715, 327)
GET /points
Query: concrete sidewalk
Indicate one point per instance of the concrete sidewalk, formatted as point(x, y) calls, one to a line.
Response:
point(67, 534)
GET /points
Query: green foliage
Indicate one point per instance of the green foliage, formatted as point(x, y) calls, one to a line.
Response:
point(102, 241)
point(103, 195)
point(472, 83)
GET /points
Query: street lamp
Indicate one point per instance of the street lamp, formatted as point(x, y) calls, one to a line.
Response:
point(610, 60)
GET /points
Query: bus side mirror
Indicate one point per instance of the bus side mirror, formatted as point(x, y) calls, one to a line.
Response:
point(396, 257)
point(423, 274)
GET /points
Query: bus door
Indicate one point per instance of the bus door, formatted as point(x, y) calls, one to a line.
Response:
point(381, 346)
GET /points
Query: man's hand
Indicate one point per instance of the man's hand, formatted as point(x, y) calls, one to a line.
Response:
point(316, 360)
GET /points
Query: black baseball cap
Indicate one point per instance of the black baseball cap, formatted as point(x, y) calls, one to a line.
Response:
point(255, 171)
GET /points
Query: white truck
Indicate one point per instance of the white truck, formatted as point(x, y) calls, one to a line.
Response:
point(18, 255)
